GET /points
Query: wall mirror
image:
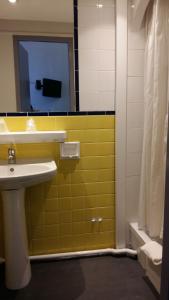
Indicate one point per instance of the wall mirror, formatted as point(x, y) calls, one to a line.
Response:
point(49, 63)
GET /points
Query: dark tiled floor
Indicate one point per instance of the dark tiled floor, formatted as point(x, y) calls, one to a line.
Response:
point(99, 278)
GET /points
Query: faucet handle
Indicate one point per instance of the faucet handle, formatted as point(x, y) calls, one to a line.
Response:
point(11, 151)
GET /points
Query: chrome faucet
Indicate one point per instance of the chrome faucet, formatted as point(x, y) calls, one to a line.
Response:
point(11, 155)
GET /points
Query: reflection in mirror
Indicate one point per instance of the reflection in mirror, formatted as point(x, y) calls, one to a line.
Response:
point(94, 37)
point(44, 74)
point(43, 43)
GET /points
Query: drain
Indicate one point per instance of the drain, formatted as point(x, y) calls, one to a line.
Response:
point(12, 170)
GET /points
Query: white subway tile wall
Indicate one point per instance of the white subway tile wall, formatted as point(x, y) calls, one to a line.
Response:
point(135, 112)
point(134, 140)
point(135, 117)
point(96, 31)
point(135, 91)
point(133, 184)
point(135, 63)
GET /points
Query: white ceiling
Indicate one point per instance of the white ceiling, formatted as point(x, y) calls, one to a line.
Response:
point(40, 10)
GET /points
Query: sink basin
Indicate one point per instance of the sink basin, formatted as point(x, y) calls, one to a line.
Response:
point(14, 178)
point(25, 173)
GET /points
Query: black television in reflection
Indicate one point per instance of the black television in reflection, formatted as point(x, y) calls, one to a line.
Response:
point(51, 88)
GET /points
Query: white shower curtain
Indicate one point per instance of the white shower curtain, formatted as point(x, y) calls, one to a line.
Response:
point(156, 94)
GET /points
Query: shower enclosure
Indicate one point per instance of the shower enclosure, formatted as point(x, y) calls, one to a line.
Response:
point(145, 211)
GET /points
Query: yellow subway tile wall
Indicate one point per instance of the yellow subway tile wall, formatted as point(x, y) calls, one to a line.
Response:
point(59, 212)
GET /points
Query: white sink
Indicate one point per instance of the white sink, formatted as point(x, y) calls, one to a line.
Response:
point(25, 173)
point(14, 178)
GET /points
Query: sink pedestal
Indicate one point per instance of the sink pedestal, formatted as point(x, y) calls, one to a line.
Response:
point(17, 264)
point(14, 178)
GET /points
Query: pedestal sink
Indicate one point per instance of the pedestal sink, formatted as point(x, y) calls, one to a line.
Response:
point(14, 178)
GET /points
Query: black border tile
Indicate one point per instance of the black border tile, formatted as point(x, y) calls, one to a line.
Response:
point(76, 54)
point(110, 112)
point(53, 113)
point(76, 42)
point(77, 101)
point(75, 16)
point(16, 114)
point(78, 113)
point(94, 113)
point(77, 80)
point(38, 114)
point(75, 2)
point(76, 60)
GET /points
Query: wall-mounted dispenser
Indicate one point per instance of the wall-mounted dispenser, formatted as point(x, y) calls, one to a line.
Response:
point(70, 150)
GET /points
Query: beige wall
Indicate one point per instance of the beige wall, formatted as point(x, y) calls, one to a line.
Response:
point(7, 74)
